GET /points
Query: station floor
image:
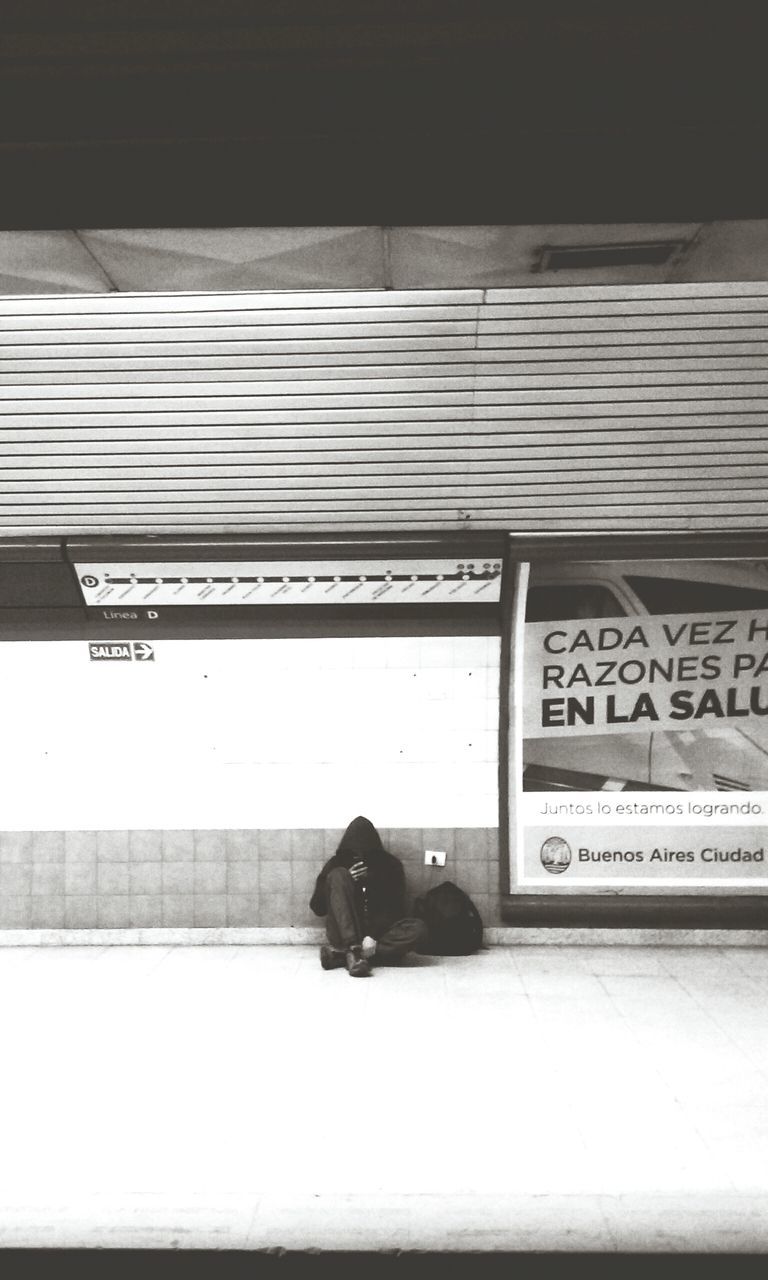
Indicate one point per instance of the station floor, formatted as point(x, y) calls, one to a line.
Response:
point(603, 1099)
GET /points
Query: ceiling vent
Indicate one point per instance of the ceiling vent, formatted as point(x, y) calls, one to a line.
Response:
point(594, 257)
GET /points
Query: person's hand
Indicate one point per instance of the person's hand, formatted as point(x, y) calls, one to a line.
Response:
point(359, 871)
point(369, 947)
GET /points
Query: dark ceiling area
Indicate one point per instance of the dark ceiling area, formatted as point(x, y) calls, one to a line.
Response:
point(398, 112)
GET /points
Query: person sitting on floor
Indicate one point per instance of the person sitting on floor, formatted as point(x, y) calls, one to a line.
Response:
point(361, 893)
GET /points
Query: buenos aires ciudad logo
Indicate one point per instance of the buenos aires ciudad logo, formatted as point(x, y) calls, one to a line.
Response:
point(555, 854)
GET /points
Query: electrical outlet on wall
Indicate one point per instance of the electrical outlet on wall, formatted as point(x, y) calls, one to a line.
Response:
point(434, 858)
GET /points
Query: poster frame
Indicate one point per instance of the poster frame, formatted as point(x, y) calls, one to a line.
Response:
point(574, 907)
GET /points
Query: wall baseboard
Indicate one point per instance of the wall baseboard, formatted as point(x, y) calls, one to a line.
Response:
point(494, 937)
point(687, 913)
point(181, 937)
point(567, 937)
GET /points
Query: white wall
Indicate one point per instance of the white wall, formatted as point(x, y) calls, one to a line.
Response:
point(251, 734)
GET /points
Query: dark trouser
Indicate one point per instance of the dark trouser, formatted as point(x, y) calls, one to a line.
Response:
point(344, 923)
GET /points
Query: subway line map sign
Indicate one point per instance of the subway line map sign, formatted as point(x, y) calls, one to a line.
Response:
point(340, 582)
point(645, 740)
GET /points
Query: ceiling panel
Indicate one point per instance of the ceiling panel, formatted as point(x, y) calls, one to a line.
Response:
point(240, 258)
point(48, 262)
point(496, 256)
point(136, 260)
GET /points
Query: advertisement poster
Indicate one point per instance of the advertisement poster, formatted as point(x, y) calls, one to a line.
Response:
point(645, 725)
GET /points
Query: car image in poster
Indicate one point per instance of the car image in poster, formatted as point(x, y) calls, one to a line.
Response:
point(645, 724)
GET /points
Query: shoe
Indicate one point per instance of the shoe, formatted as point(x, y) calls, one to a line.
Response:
point(357, 964)
point(331, 959)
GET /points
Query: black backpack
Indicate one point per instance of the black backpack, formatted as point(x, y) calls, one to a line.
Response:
point(452, 919)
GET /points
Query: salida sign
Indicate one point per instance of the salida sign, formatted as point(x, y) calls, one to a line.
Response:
point(121, 651)
point(673, 672)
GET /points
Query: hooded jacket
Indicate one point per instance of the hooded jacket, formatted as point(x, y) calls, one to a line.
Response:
point(385, 884)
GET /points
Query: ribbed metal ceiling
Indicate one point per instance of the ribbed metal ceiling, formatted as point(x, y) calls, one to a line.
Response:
point(631, 408)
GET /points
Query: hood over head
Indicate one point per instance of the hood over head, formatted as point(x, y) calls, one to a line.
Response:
point(361, 841)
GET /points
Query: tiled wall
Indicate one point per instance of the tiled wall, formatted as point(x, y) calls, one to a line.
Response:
point(255, 747)
point(146, 879)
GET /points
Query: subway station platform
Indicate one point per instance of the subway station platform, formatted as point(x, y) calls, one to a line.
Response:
point(580, 1098)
